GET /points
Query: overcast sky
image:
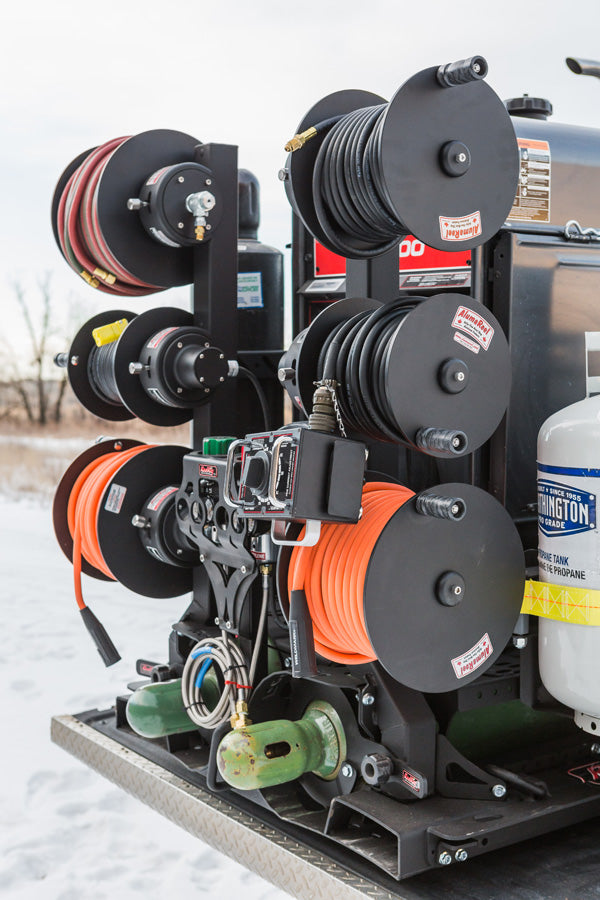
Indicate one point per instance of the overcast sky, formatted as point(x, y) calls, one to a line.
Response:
point(75, 74)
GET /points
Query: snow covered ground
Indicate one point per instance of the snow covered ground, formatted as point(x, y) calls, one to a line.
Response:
point(65, 832)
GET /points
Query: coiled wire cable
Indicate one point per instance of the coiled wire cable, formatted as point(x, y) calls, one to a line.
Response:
point(227, 658)
point(101, 370)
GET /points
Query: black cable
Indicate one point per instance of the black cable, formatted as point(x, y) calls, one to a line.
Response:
point(356, 356)
point(349, 191)
point(262, 399)
point(101, 372)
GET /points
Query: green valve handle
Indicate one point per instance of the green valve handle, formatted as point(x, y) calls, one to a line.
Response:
point(157, 709)
point(216, 446)
point(271, 753)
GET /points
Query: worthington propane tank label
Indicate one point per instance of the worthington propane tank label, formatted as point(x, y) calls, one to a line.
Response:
point(568, 546)
point(564, 510)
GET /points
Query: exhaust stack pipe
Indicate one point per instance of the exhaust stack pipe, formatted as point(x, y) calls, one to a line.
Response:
point(583, 66)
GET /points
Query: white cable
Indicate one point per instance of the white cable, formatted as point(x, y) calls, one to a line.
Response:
point(226, 656)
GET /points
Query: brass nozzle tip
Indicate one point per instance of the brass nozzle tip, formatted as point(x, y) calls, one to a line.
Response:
point(93, 282)
point(200, 232)
point(299, 140)
point(107, 277)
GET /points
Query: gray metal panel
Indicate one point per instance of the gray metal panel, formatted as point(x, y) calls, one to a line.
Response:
point(295, 868)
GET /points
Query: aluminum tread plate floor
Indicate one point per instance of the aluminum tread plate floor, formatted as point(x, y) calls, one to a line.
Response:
point(563, 865)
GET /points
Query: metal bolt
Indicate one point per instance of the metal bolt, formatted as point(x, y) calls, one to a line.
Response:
point(462, 157)
point(179, 345)
point(180, 390)
point(207, 390)
point(74, 360)
point(595, 748)
point(202, 557)
point(227, 624)
point(498, 790)
point(136, 368)
point(139, 521)
point(444, 858)
point(457, 590)
point(519, 641)
point(243, 570)
point(179, 552)
point(202, 379)
point(459, 376)
point(455, 508)
point(208, 182)
point(180, 225)
point(221, 356)
point(368, 700)
point(455, 443)
point(208, 226)
point(202, 356)
point(135, 203)
point(181, 179)
point(221, 378)
point(287, 662)
point(347, 770)
point(461, 855)
point(217, 620)
point(283, 174)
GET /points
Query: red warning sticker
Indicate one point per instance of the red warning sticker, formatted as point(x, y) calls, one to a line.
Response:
point(473, 658)
point(208, 471)
point(157, 339)
point(588, 774)
point(159, 498)
point(462, 228)
point(411, 781)
point(475, 325)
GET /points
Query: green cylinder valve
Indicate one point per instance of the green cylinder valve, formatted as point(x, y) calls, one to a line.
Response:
point(156, 709)
point(270, 753)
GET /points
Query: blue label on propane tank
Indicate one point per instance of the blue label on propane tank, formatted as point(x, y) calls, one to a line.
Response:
point(564, 510)
point(249, 290)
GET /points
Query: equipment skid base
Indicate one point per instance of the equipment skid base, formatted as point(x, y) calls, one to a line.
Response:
point(553, 866)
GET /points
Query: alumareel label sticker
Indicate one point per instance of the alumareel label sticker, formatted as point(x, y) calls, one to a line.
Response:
point(467, 662)
point(473, 324)
point(461, 228)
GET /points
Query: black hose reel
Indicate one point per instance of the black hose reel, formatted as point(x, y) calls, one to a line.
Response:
point(431, 373)
point(440, 162)
point(159, 369)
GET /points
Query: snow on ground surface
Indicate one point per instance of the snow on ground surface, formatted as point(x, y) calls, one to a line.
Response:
point(66, 833)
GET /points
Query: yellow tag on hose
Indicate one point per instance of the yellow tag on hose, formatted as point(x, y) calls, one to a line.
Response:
point(561, 602)
point(106, 334)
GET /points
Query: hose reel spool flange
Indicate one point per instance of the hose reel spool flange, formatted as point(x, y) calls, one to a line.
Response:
point(442, 199)
point(421, 639)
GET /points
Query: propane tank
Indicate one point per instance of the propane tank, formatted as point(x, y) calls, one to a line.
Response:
point(569, 553)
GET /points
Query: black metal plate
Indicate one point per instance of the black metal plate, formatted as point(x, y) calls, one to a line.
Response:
point(119, 540)
point(300, 165)
point(414, 636)
point(421, 118)
point(131, 344)
point(82, 346)
point(315, 337)
point(63, 492)
point(424, 341)
point(60, 186)
point(123, 176)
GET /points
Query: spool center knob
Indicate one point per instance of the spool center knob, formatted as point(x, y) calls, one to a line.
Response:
point(450, 589)
point(455, 158)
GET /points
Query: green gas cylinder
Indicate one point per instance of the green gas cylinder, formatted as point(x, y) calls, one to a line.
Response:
point(157, 709)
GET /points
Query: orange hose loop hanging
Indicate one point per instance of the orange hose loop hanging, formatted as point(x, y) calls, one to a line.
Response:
point(82, 512)
point(332, 575)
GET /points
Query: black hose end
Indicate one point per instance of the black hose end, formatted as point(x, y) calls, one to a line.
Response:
point(104, 645)
point(463, 71)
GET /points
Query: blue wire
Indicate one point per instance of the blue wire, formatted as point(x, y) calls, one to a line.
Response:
point(196, 653)
point(203, 670)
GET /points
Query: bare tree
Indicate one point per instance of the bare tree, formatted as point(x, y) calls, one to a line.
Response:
point(40, 396)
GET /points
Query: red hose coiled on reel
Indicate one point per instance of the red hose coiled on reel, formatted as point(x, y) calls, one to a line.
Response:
point(79, 233)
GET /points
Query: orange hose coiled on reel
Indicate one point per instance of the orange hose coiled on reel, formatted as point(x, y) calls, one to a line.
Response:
point(82, 512)
point(332, 575)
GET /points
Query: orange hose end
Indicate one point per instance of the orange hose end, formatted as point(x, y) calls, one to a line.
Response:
point(332, 575)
